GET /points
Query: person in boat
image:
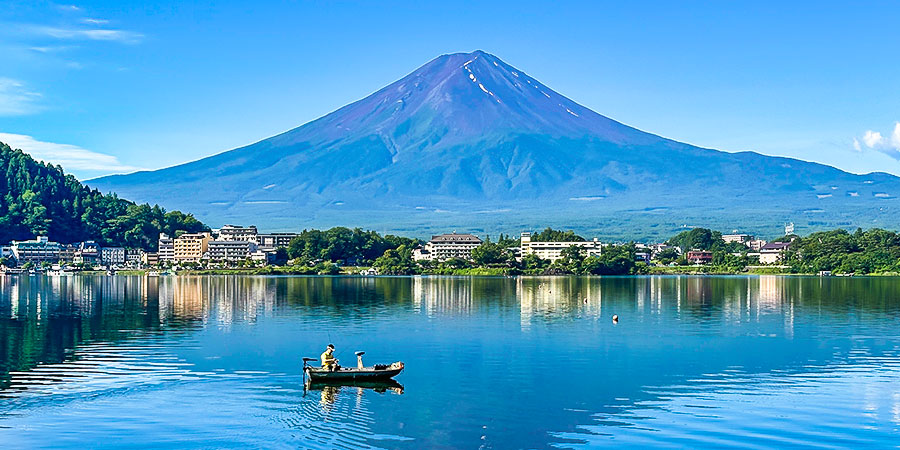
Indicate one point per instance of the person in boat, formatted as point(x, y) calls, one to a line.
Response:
point(328, 360)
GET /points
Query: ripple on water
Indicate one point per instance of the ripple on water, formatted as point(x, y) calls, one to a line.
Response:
point(806, 409)
point(102, 373)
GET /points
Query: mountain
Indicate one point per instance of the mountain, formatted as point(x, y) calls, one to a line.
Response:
point(469, 142)
point(40, 199)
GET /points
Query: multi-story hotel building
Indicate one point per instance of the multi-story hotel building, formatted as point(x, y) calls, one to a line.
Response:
point(271, 241)
point(446, 246)
point(166, 252)
point(150, 258)
point(36, 250)
point(190, 247)
point(553, 250)
point(111, 256)
point(237, 233)
point(88, 253)
point(230, 250)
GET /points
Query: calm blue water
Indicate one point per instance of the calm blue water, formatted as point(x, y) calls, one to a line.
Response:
point(212, 362)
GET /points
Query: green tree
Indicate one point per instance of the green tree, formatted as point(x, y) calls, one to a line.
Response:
point(667, 256)
point(340, 244)
point(698, 239)
point(613, 260)
point(571, 260)
point(40, 199)
point(533, 263)
point(551, 235)
point(397, 261)
point(488, 254)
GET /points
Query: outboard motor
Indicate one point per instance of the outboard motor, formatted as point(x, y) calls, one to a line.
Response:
point(359, 364)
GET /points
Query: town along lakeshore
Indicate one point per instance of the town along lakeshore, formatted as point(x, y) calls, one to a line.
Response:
point(525, 362)
point(243, 250)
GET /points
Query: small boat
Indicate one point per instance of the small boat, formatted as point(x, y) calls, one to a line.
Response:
point(376, 372)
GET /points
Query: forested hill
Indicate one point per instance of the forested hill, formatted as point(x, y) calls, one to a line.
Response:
point(40, 199)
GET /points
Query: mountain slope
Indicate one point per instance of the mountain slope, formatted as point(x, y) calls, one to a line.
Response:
point(467, 141)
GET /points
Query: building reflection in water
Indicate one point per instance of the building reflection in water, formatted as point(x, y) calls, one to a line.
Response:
point(443, 295)
point(551, 298)
point(217, 299)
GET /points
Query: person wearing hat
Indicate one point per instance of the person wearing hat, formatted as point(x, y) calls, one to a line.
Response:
point(328, 360)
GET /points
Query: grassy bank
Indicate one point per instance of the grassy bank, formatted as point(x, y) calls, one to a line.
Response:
point(714, 270)
point(475, 271)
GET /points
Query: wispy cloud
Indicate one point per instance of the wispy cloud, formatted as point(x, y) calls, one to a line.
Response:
point(51, 48)
point(876, 141)
point(72, 158)
point(91, 34)
point(93, 21)
point(16, 99)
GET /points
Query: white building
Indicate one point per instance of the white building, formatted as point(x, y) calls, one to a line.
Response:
point(88, 252)
point(553, 250)
point(275, 240)
point(773, 252)
point(230, 250)
point(756, 244)
point(739, 238)
point(446, 246)
point(36, 250)
point(133, 257)
point(112, 256)
point(166, 251)
point(263, 256)
point(238, 233)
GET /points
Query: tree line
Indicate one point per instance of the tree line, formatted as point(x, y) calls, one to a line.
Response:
point(839, 251)
point(40, 199)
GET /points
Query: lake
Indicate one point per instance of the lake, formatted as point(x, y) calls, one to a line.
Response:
point(527, 362)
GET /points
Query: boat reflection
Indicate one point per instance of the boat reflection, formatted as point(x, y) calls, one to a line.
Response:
point(331, 389)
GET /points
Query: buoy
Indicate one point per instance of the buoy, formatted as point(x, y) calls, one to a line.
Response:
point(615, 318)
point(585, 299)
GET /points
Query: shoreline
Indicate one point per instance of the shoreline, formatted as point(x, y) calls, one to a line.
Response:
point(476, 272)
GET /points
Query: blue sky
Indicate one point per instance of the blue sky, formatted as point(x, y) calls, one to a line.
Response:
point(113, 86)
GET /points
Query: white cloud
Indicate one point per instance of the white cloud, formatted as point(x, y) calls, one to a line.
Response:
point(895, 136)
point(875, 140)
point(92, 34)
point(95, 21)
point(872, 139)
point(856, 145)
point(72, 158)
point(16, 99)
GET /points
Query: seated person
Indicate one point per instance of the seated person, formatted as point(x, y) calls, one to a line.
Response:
point(329, 362)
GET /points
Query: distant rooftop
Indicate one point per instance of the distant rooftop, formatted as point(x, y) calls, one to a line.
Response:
point(776, 246)
point(456, 237)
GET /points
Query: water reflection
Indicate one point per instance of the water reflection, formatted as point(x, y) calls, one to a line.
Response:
point(692, 360)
